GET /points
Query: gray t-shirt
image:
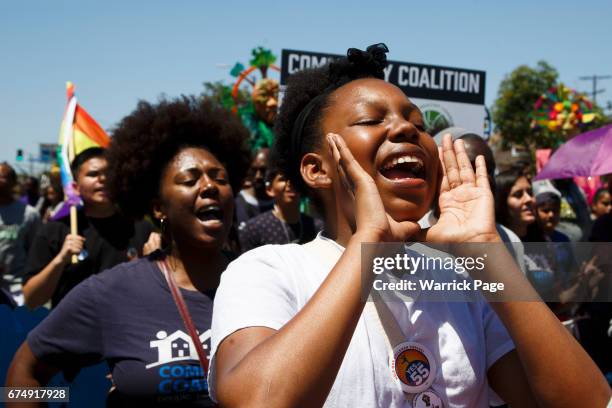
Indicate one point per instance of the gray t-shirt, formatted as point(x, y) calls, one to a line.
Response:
point(19, 223)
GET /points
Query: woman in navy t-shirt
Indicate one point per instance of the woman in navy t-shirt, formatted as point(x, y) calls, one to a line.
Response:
point(169, 161)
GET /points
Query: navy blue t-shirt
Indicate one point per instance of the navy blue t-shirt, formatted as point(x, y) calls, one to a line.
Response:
point(128, 318)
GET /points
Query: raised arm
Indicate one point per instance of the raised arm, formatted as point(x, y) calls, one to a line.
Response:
point(40, 287)
point(318, 336)
point(557, 369)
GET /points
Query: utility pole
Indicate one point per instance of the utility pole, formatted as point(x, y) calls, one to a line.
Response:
point(594, 79)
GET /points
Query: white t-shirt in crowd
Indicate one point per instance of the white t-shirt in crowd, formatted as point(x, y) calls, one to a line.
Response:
point(269, 285)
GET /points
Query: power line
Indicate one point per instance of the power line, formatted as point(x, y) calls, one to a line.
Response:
point(594, 79)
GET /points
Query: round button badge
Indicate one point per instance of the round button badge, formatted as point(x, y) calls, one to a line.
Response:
point(413, 366)
point(427, 399)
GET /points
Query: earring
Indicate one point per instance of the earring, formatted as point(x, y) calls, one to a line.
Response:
point(162, 225)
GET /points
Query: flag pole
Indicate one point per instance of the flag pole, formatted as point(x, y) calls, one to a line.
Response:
point(71, 153)
point(74, 226)
point(75, 117)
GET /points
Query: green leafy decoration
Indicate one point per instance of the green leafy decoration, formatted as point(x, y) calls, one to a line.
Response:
point(237, 69)
point(221, 94)
point(262, 57)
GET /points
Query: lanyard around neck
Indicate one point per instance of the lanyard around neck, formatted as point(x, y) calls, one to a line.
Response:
point(328, 249)
point(184, 312)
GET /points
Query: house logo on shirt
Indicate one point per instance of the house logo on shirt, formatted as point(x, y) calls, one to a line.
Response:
point(176, 347)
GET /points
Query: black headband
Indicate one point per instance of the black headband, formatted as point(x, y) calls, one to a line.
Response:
point(298, 126)
point(372, 60)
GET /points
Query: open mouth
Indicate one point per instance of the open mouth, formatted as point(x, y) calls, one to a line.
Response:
point(210, 213)
point(403, 167)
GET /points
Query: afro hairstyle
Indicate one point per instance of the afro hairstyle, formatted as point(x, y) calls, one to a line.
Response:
point(146, 140)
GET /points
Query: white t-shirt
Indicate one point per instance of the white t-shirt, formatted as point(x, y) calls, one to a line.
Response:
point(269, 285)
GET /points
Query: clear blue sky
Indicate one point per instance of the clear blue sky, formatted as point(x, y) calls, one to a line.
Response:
point(117, 52)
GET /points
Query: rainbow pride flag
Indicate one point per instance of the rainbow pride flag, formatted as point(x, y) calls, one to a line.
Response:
point(78, 132)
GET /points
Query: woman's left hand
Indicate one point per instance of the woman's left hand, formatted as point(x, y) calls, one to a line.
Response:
point(467, 210)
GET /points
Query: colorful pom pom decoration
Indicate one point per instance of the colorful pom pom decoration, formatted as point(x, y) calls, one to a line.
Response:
point(562, 109)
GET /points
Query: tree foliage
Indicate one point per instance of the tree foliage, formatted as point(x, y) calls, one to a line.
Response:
point(221, 94)
point(516, 97)
point(514, 106)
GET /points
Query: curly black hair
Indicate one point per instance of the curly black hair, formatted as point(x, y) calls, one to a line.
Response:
point(297, 126)
point(146, 140)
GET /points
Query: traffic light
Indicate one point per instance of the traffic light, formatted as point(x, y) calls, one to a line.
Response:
point(19, 155)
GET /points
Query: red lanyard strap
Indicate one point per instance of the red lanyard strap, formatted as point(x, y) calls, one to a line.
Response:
point(182, 308)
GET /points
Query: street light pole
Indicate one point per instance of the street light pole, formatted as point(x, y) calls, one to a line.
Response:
point(593, 79)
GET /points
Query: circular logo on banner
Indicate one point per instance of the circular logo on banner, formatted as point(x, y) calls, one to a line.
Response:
point(436, 118)
point(413, 366)
point(427, 399)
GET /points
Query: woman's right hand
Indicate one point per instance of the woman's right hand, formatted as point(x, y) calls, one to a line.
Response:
point(153, 244)
point(73, 245)
point(370, 214)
